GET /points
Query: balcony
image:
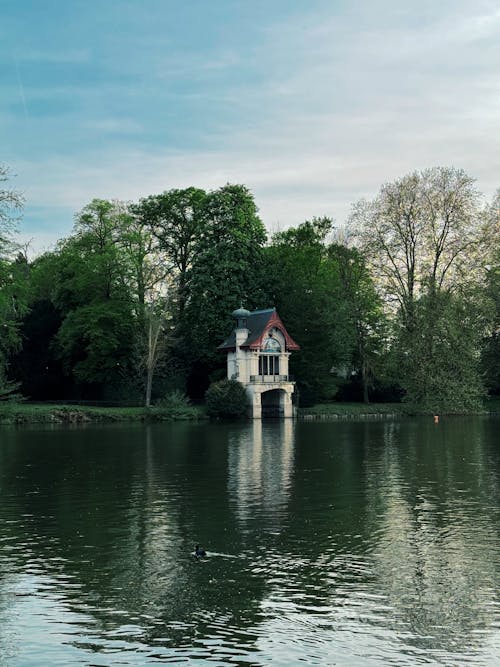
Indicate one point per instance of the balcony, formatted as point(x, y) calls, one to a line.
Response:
point(270, 379)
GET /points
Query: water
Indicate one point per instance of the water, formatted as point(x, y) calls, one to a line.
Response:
point(338, 543)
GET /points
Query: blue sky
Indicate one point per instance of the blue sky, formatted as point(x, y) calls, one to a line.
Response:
point(312, 104)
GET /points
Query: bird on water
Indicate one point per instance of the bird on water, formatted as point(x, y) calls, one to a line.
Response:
point(199, 551)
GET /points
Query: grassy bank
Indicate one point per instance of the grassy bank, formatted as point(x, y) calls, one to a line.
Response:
point(29, 413)
point(353, 410)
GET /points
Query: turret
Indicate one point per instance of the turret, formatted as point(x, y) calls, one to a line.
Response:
point(241, 316)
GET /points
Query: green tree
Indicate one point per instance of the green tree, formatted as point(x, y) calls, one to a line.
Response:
point(13, 275)
point(11, 204)
point(225, 272)
point(303, 282)
point(423, 241)
point(151, 279)
point(438, 361)
point(364, 312)
point(490, 360)
point(91, 290)
point(175, 218)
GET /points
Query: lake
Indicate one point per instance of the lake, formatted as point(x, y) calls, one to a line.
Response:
point(329, 543)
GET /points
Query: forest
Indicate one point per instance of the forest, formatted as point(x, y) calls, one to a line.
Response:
point(399, 304)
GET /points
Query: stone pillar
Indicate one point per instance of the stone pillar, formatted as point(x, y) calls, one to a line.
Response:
point(256, 406)
point(286, 404)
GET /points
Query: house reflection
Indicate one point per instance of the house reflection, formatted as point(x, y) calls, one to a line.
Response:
point(260, 470)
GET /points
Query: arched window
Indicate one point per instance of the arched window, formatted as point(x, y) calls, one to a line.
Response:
point(269, 360)
point(271, 346)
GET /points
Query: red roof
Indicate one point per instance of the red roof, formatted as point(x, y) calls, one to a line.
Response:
point(259, 323)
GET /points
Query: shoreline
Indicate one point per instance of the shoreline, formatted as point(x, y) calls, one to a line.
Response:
point(40, 413)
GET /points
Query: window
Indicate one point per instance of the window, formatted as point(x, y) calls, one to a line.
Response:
point(272, 345)
point(269, 364)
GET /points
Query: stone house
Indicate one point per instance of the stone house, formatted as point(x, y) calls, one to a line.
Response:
point(258, 352)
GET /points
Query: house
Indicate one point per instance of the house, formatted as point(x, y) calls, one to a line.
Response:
point(258, 352)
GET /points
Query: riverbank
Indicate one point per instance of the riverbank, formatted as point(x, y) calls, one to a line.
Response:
point(383, 410)
point(43, 413)
point(31, 413)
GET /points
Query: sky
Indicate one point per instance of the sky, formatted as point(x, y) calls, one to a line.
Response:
point(312, 104)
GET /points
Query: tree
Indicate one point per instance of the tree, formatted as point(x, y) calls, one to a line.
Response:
point(365, 313)
point(92, 293)
point(421, 233)
point(12, 274)
point(150, 278)
point(11, 204)
point(491, 349)
point(175, 218)
point(303, 282)
point(423, 241)
point(225, 272)
point(438, 363)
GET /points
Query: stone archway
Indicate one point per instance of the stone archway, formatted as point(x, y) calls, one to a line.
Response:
point(272, 403)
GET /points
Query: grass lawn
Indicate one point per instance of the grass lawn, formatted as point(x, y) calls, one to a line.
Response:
point(491, 405)
point(25, 413)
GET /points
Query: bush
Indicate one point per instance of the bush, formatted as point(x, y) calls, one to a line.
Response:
point(226, 399)
point(175, 399)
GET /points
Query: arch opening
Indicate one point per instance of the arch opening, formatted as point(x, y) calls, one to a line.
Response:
point(272, 403)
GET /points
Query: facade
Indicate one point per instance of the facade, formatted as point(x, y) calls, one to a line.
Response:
point(258, 351)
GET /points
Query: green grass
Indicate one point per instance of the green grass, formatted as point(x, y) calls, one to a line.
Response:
point(491, 405)
point(353, 409)
point(27, 413)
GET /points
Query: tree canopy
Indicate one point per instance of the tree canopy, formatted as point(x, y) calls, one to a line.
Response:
point(133, 304)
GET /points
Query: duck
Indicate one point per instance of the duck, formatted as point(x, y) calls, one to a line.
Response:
point(199, 552)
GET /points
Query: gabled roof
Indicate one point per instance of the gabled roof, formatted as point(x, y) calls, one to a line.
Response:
point(259, 323)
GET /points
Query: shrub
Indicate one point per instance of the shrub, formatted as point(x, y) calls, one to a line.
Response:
point(226, 399)
point(174, 399)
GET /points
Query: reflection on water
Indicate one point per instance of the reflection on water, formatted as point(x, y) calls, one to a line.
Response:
point(363, 543)
point(260, 466)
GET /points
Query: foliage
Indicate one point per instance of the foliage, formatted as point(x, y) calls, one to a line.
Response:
point(421, 233)
point(175, 219)
point(94, 342)
point(438, 363)
point(424, 243)
point(365, 314)
point(9, 391)
point(490, 360)
point(224, 273)
point(140, 295)
point(11, 204)
point(226, 399)
point(174, 399)
point(303, 282)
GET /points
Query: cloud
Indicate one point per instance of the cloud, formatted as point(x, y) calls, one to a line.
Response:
point(317, 110)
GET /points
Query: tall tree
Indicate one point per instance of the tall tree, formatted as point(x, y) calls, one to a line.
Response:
point(423, 241)
point(491, 349)
point(151, 280)
point(225, 272)
point(11, 204)
point(13, 275)
point(92, 293)
point(365, 314)
point(175, 218)
point(303, 282)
